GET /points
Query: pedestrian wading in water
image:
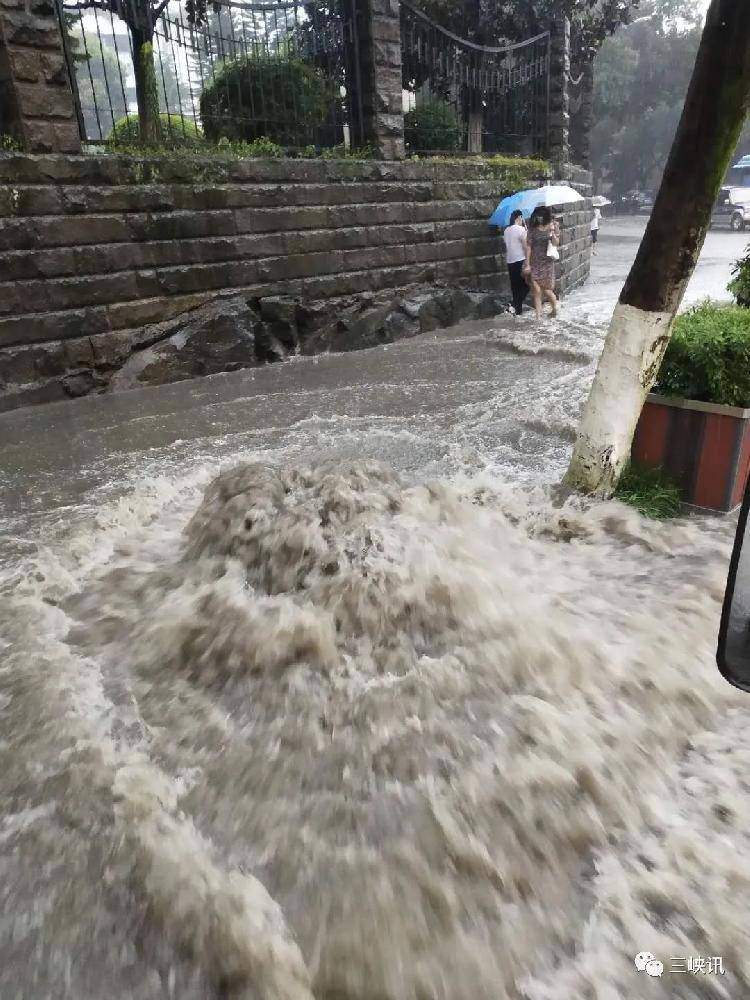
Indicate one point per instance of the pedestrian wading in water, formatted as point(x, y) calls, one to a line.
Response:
point(595, 229)
point(542, 242)
point(516, 253)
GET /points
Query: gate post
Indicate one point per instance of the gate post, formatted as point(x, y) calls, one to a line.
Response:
point(559, 96)
point(582, 119)
point(382, 93)
point(36, 100)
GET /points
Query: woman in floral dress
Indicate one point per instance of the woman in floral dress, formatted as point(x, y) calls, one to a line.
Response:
point(540, 267)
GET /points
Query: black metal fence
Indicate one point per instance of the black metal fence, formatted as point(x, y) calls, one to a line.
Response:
point(465, 97)
point(286, 72)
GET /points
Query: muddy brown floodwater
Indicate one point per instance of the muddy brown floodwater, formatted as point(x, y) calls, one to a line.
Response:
point(312, 689)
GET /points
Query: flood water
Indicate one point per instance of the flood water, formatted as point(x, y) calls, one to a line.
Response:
point(313, 688)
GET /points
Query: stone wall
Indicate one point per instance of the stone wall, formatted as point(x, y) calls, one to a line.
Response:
point(94, 248)
point(36, 102)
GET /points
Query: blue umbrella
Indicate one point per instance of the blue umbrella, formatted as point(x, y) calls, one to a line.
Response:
point(527, 201)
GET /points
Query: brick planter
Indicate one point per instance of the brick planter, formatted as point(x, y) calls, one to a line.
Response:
point(704, 446)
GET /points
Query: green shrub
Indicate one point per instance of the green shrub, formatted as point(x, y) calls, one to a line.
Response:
point(650, 491)
point(512, 173)
point(739, 286)
point(339, 152)
point(517, 172)
point(259, 149)
point(432, 124)
point(9, 144)
point(177, 132)
point(282, 99)
point(708, 357)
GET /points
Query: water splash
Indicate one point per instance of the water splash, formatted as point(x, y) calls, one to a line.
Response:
point(412, 743)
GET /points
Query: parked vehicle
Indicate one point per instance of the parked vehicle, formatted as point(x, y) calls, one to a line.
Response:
point(738, 182)
point(635, 202)
point(728, 212)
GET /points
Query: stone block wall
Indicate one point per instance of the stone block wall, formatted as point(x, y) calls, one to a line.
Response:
point(380, 48)
point(96, 247)
point(35, 92)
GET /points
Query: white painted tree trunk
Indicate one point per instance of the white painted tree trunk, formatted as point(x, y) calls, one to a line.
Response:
point(631, 357)
point(715, 108)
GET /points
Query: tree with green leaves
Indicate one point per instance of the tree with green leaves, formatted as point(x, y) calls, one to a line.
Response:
point(640, 81)
point(715, 111)
point(141, 18)
point(495, 22)
point(491, 22)
point(100, 85)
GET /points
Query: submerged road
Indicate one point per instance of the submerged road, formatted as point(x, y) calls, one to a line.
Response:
point(373, 719)
point(507, 392)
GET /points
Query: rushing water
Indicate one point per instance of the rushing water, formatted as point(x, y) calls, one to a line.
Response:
point(313, 687)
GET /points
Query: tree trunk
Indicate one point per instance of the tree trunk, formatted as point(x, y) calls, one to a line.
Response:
point(476, 123)
point(146, 91)
point(715, 108)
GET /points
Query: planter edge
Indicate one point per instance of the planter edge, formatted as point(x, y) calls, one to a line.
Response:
point(694, 404)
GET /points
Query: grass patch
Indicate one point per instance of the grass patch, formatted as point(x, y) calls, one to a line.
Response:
point(651, 491)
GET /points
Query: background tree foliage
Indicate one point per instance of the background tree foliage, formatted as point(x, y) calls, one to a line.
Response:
point(99, 85)
point(491, 22)
point(640, 82)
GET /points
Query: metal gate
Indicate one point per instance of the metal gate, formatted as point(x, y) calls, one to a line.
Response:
point(283, 72)
point(476, 98)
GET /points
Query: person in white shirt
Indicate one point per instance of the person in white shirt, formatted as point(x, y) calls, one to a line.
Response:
point(595, 229)
point(516, 251)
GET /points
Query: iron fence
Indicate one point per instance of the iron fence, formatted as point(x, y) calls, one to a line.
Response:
point(285, 71)
point(288, 71)
point(465, 97)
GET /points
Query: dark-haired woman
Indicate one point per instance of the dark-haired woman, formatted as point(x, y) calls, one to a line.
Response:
point(540, 267)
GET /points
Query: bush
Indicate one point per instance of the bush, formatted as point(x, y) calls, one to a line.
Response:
point(432, 125)
point(517, 172)
point(708, 357)
point(739, 286)
point(650, 491)
point(177, 132)
point(283, 99)
point(337, 153)
point(258, 149)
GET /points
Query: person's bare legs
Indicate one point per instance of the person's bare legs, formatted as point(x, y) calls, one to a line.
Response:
point(550, 297)
point(536, 297)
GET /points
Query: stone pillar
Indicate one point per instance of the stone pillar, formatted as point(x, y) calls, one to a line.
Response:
point(36, 100)
point(583, 120)
point(559, 98)
point(379, 24)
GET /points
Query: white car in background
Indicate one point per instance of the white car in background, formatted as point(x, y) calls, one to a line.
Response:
point(733, 205)
point(730, 211)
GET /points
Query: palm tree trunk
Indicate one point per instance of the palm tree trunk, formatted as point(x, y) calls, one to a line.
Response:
point(715, 109)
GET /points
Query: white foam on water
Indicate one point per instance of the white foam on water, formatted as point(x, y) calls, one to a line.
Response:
point(426, 727)
point(335, 732)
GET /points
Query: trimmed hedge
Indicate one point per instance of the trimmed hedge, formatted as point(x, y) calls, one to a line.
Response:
point(177, 132)
point(284, 100)
point(432, 125)
point(708, 357)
